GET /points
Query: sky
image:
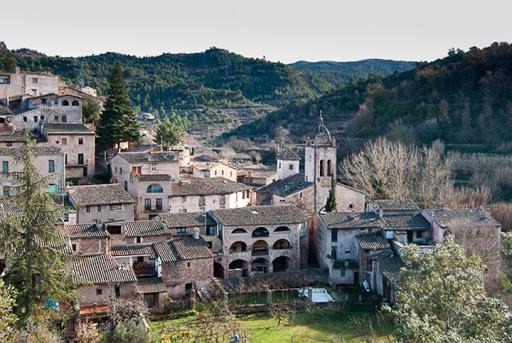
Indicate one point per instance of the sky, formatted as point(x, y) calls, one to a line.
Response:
point(279, 30)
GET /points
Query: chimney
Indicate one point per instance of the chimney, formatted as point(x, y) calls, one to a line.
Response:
point(196, 233)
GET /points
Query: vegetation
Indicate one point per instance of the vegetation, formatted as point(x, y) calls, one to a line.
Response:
point(91, 109)
point(169, 133)
point(330, 205)
point(458, 311)
point(118, 121)
point(130, 331)
point(7, 317)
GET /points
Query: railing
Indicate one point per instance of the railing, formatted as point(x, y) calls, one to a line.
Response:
point(260, 252)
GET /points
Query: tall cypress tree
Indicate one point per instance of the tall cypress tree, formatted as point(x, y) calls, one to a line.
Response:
point(330, 206)
point(118, 121)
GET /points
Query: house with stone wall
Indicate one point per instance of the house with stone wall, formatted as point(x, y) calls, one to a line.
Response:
point(88, 239)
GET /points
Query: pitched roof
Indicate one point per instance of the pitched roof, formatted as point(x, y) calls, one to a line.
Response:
point(287, 186)
point(182, 248)
point(134, 250)
point(462, 217)
point(37, 150)
point(260, 215)
point(144, 228)
point(206, 186)
point(407, 221)
point(9, 208)
point(372, 241)
point(287, 155)
point(66, 128)
point(351, 220)
point(85, 231)
point(155, 177)
point(189, 219)
point(151, 285)
point(396, 205)
point(390, 266)
point(99, 269)
point(99, 195)
point(148, 157)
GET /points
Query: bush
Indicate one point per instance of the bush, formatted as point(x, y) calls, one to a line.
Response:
point(130, 332)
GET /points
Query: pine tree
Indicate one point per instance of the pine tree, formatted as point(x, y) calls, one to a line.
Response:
point(330, 206)
point(118, 121)
point(33, 242)
point(169, 133)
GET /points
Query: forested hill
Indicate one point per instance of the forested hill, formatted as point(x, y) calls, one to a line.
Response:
point(463, 98)
point(341, 72)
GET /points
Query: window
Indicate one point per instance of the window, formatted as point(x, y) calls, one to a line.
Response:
point(120, 170)
point(215, 172)
point(223, 200)
point(64, 119)
point(126, 185)
point(147, 204)
point(116, 207)
point(321, 167)
point(87, 209)
point(184, 198)
point(154, 168)
point(114, 229)
point(210, 231)
point(202, 201)
point(64, 141)
point(7, 191)
point(279, 164)
point(419, 234)
point(99, 208)
point(73, 246)
point(34, 80)
point(347, 251)
point(139, 240)
point(80, 141)
point(181, 230)
point(75, 103)
point(80, 158)
point(222, 172)
point(5, 167)
point(56, 118)
point(342, 272)
point(209, 245)
point(117, 290)
point(159, 203)
point(25, 119)
point(115, 170)
point(65, 103)
point(99, 291)
point(35, 119)
point(329, 168)
point(188, 264)
point(51, 166)
point(5, 80)
point(43, 101)
point(290, 166)
point(42, 118)
point(334, 253)
point(334, 235)
point(154, 188)
point(300, 195)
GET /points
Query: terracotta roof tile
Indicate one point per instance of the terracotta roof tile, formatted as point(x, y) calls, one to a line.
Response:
point(260, 215)
point(99, 195)
point(99, 269)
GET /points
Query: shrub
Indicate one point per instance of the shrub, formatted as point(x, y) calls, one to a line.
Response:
point(130, 331)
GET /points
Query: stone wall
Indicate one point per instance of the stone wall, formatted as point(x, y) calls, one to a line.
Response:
point(177, 275)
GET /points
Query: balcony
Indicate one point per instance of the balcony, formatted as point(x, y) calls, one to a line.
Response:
point(143, 269)
point(260, 252)
point(152, 209)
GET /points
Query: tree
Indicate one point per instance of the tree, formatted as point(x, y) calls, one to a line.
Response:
point(8, 63)
point(330, 206)
point(91, 109)
point(130, 331)
point(7, 317)
point(122, 310)
point(118, 121)
point(33, 242)
point(441, 298)
point(169, 133)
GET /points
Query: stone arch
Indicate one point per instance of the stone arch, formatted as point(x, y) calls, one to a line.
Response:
point(282, 244)
point(75, 103)
point(218, 270)
point(238, 246)
point(322, 167)
point(329, 168)
point(239, 230)
point(281, 264)
point(260, 248)
point(154, 188)
point(260, 265)
point(65, 103)
point(260, 232)
point(282, 229)
point(238, 264)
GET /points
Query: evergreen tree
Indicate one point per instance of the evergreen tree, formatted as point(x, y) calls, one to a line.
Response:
point(169, 133)
point(33, 242)
point(330, 206)
point(118, 121)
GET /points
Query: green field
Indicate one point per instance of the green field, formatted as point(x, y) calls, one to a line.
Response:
point(355, 323)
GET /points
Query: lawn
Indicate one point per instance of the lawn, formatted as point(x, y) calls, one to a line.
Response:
point(353, 323)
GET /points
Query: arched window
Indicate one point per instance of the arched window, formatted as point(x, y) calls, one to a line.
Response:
point(154, 188)
point(282, 229)
point(321, 167)
point(260, 248)
point(282, 244)
point(238, 264)
point(238, 247)
point(75, 103)
point(329, 168)
point(239, 231)
point(64, 119)
point(65, 103)
point(260, 232)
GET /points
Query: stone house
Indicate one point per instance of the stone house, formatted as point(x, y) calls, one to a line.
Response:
point(214, 169)
point(77, 142)
point(260, 239)
point(206, 194)
point(48, 160)
point(20, 83)
point(100, 278)
point(256, 175)
point(287, 163)
point(191, 222)
point(144, 231)
point(336, 245)
point(88, 239)
point(147, 177)
point(102, 204)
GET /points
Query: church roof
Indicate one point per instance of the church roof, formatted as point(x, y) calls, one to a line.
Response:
point(287, 186)
point(287, 155)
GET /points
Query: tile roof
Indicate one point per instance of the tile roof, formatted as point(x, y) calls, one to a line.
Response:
point(287, 186)
point(99, 195)
point(9, 208)
point(147, 157)
point(182, 248)
point(134, 250)
point(66, 128)
point(206, 186)
point(155, 177)
point(407, 221)
point(99, 269)
point(372, 241)
point(145, 228)
point(189, 219)
point(396, 205)
point(151, 285)
point(260, 215)
point(37, 150)
point(287, 155)
point(390, 266)
point(166, 252)
point(85, 231)
point(351, 220)
point(463, 217)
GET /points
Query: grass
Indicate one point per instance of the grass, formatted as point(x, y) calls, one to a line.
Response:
point(348, 324)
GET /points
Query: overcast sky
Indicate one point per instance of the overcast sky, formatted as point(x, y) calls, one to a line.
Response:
point(280, 30)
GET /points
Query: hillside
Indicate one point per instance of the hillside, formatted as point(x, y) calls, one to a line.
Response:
point(465, 98)
point(341, 72)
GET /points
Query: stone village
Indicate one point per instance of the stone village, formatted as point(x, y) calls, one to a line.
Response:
point(182, 221)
